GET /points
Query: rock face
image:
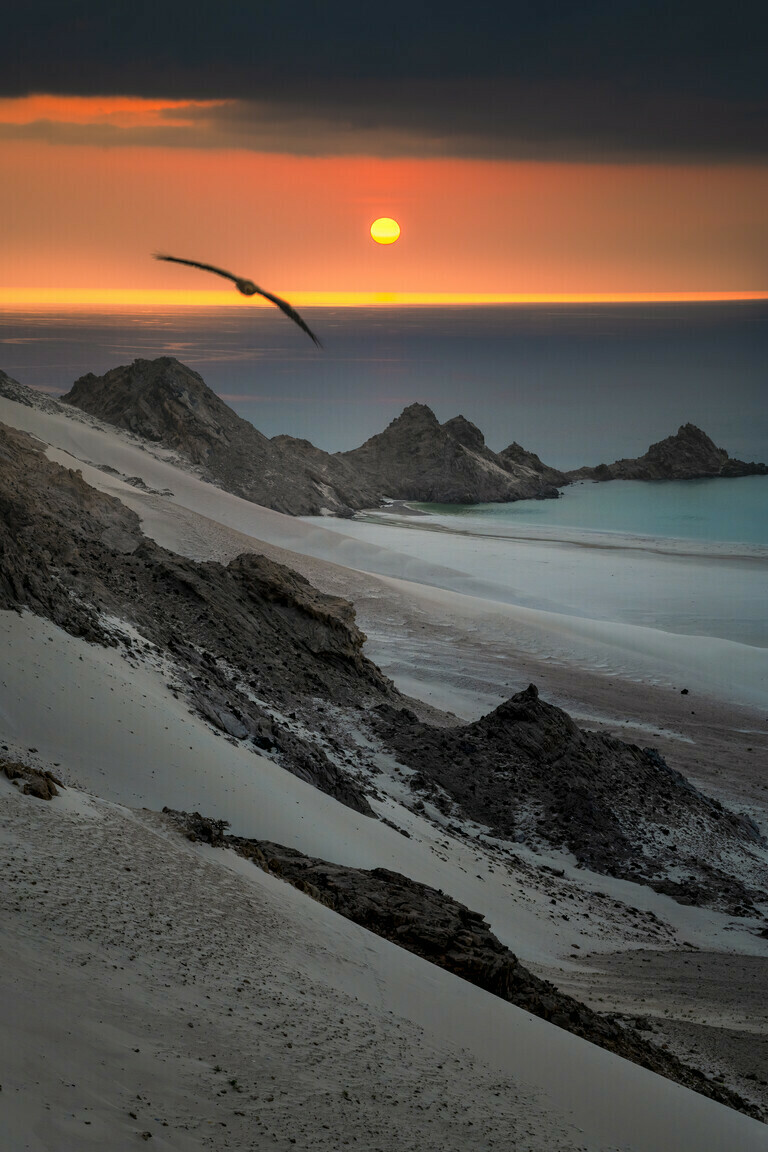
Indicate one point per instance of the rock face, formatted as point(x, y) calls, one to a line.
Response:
point(527, 771)
point(271, 662)
point(250, 640)
point(417, 458)
point(451, 936)
point(688, 455)
point(166, 402)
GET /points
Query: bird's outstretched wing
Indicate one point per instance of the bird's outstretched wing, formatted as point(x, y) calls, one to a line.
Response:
point(197, 264)
point(284, 306)
point(251, 288)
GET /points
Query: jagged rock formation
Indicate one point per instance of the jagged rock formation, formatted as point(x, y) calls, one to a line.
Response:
point(417, 458)
point(451, 936)
point(249, 639)
point(12, 390)
point(269, 661)
point(166, 402)
point(516, 457)
point(528, 772)
point(688, 455)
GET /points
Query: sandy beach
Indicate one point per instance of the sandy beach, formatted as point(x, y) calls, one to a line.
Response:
point(180, 934)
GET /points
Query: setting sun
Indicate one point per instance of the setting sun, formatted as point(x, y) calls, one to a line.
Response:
point(385, 230)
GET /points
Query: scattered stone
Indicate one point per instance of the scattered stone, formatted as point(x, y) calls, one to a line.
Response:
point(37, 782)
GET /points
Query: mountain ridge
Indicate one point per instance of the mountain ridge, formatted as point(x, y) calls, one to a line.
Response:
point(168, 403)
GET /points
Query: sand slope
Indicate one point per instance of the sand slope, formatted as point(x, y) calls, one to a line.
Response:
point(117, 936)
point(101, 961)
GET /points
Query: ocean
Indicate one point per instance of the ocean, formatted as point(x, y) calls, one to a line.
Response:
point(694, 512)
point(578, 384)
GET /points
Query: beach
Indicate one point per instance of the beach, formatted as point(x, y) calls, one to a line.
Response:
point(460, 623)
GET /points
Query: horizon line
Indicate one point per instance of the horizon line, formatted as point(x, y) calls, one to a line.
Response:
point(138, 297)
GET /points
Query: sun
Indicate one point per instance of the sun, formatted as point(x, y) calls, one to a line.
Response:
point(385, 230)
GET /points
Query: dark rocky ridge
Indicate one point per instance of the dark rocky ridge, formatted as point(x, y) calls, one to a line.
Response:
point(417, 458)
point(527, 771)
point(688, 455)
point(448, 934)
point(166, 402)
point(270, 661)
point(248, 639)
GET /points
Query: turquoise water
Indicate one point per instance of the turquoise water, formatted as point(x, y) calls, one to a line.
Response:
point(727, 511)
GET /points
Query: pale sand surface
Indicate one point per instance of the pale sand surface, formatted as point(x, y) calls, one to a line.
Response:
point(720, 669)
point(710, 1008)
point(117, 937)
point(115, 726)
point(119, 731)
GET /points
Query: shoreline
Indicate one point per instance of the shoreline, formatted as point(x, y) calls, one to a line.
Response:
point(433, 632)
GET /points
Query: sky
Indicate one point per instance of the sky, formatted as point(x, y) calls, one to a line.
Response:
point(526, 150)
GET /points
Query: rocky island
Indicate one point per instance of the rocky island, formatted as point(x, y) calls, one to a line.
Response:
point(688, 455)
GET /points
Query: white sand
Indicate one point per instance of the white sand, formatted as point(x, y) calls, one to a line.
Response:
point(486, 572)
point(118, 730)
point(143, 976)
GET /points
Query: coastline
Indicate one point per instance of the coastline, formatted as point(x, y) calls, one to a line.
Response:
point(438, 630)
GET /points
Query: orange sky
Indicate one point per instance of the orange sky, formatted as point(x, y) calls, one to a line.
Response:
point(82, 217)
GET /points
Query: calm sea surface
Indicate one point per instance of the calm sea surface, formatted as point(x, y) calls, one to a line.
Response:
point(730, 511)
point(578, 384)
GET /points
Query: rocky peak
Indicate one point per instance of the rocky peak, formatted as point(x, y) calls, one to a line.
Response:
point(165, 401)
point(688, 455)
point(688, 444)
point(416, 458)
point(465, 432)
point(162, 400)
point(416, 412)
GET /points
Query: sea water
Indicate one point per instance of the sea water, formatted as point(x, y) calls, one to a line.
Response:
point(683, 557)
point(733, 511)
point(578, 384)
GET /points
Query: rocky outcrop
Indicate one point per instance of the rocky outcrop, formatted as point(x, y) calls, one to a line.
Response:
point(688, 455)
point(527, 772)
point(164, 401)
point(518, 461)
point(417, 458)
point(250, 640)
point(37, 782)
point(269, 661)
point(448, 934)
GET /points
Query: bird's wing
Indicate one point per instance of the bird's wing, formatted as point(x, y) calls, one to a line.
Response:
point(197, 264)
point(284, 306)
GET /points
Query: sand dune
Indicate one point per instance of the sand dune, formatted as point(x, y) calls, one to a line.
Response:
point(116, 935)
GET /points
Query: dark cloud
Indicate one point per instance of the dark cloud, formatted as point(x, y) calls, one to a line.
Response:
point(609, 77)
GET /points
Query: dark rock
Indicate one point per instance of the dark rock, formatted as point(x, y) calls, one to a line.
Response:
point(71, 554)
point(164, 401)
point(450, 935)
point(37, 782)
point(527, 769)
point(688, 455)
point(416, 458)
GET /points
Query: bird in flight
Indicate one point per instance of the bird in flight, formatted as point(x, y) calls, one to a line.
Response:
point(248, 288)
